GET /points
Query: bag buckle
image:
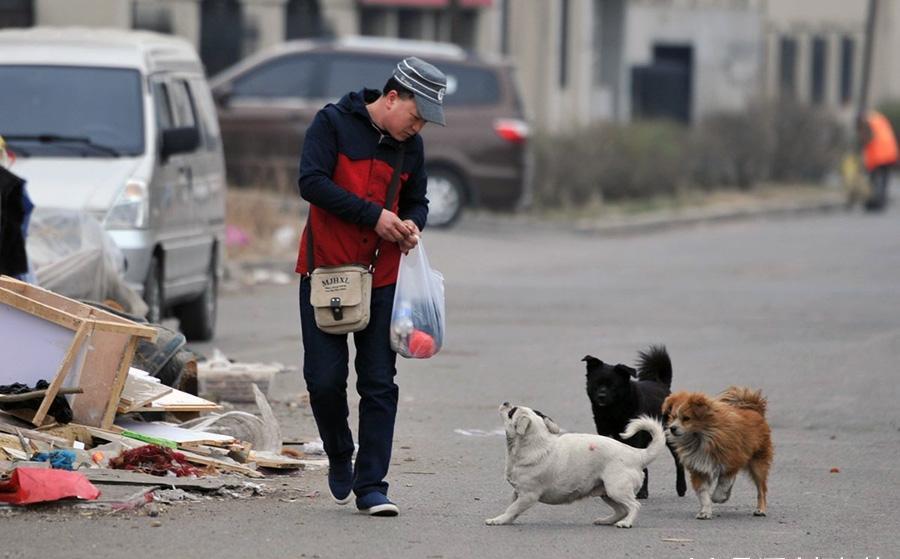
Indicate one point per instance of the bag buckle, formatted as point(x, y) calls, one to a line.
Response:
point(336, 310)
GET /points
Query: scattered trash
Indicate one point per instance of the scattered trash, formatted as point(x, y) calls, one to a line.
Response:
point(154, 460)
point(58, 459)
point(174, 495)
point(835, 470)
point(235, 236)
point(38, 485)
point(221, 379)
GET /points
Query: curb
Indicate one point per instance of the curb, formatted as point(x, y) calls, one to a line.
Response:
point(637, 225)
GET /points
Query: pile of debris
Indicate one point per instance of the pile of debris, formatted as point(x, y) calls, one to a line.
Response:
point(82, 392)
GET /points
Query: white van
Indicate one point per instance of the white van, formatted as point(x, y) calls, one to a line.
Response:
point(121, 124)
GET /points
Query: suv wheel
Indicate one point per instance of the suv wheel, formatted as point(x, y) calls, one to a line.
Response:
point(153, 291)
point(198, 317)
point(446, 196)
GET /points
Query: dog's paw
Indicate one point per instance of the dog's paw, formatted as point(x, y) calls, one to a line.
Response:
point(496, 521)
point(703, 515)
point(605, 521)
point(759, 513)
point(623, 524)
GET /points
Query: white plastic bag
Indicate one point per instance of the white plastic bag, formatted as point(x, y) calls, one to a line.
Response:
point(417, 321)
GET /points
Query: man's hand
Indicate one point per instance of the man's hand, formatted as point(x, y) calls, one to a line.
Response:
point(411, 241)
point(391, 228)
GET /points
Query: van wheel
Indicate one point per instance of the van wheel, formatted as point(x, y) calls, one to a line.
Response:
point(198, 317)
point(153, 291)
point(446, 197)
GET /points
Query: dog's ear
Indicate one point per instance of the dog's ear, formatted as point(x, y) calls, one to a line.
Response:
point(625, 371)
point(551, 425)
point(699, 405)
point(592, 362)
point(522, 423)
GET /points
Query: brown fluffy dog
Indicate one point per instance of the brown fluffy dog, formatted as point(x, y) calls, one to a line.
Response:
point(718, 437)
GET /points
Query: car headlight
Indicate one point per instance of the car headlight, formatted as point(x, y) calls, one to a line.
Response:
point(131, 208)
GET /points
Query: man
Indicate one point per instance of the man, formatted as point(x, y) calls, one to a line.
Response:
point(879, 147)
point(345, 170)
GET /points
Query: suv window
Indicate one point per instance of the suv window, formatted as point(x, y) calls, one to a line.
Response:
point(288, 76)
point(466, 85)
point(352, 73)
point(470, 85)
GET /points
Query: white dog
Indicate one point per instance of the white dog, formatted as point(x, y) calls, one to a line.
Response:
point(544, 466)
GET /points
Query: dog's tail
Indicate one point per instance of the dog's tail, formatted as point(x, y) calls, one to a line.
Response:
point(657, 440)
point(746, 398)
point(654, 364)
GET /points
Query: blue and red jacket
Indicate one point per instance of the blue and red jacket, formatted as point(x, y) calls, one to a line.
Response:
point(345, 171)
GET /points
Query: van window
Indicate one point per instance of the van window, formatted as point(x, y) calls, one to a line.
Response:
point(285, 77)
point(209, 125)
point(163, 106)
point(72, 111)
point(182, 105)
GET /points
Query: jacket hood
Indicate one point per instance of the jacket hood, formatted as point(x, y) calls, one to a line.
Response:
point(355, 102)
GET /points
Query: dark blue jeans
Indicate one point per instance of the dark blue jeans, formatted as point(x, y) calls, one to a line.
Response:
point(325, 369)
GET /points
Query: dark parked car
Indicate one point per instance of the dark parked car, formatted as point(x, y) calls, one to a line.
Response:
point(480, 158)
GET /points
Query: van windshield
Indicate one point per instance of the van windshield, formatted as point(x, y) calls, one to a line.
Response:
point(68, 111)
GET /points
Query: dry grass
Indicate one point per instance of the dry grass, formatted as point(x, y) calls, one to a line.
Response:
point(270, 221)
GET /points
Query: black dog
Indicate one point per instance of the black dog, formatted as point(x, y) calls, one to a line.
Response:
point(616, 399)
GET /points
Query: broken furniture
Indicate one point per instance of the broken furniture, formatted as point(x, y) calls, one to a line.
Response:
point(68, 344)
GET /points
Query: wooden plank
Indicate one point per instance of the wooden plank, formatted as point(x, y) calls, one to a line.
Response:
point(130, 328)
point(140, 390)
point(180, 401)
point(75, 308)
point(68, 361)
point(38, 309)
point(119, 383)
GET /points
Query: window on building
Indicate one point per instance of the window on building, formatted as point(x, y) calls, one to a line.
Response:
point(504, 27)
point(818, 70)
point(151, 16)
point(302, 19)
point(373, 22)
point(16, 13)
point(847, 52)
point(787, 57)
point(563, 43)
point(410, 24)
point(463, 26)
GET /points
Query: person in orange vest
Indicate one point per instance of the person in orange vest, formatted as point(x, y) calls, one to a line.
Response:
point(879, 154)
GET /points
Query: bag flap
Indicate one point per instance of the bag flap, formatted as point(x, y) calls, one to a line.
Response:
point(345, 282)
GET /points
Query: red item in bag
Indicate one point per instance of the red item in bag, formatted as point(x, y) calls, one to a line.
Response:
point(38, 485)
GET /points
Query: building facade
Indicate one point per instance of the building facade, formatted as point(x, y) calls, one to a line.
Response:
point(579, 61)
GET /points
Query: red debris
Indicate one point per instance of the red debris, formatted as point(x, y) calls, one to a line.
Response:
point(38, 485)
point(155, 460)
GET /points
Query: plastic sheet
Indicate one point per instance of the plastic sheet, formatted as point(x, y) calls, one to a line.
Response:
point(71, 254)
point(38, 485)
point(417, 320)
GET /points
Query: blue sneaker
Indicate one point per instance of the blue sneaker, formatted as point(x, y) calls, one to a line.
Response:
point(340, 482)
point(376, 504)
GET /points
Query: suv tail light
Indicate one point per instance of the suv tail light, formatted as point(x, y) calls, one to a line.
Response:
point(512, 130)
